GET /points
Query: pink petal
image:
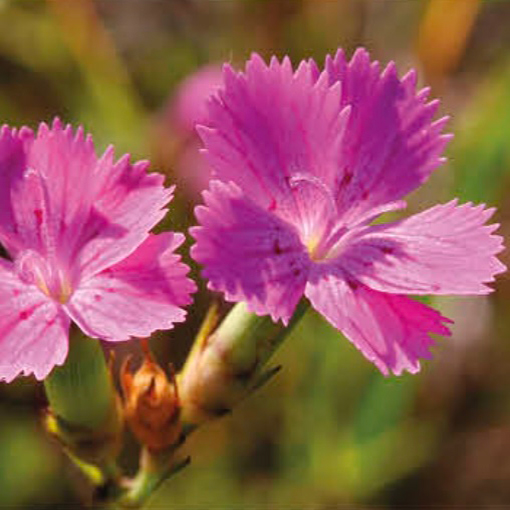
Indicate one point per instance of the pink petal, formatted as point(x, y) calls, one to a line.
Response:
point(13, 164)
point(270, 124)
point(130, 203)
point(444, 250)
point(33, 329)
point(137, 296)
point(248, 253)
point(391, 145)
point(392, 331)
point(71, 206)
point(52, 191)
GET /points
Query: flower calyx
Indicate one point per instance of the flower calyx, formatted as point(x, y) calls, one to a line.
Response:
point(85, 411)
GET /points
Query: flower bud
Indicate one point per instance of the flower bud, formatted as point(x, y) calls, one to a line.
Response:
point(227, 363)
point(151, 403)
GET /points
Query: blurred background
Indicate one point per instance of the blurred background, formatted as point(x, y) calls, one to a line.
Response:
point(329, 431)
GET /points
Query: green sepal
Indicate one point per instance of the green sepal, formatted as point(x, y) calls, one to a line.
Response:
point(80, 392)
point(84, 413)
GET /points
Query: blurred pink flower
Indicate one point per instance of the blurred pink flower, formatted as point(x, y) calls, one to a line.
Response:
point(189, 106)
point(76, 228)
point(187, 109)
point(306, 161)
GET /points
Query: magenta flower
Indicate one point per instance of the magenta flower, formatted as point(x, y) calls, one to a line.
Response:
point(76, 229)
point(187, 109)
point(306, 160)
point(189, 106)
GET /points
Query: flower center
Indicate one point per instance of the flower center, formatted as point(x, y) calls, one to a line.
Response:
point(54, 281)
point(328, 245)
point(324, 229)
point(318, 220)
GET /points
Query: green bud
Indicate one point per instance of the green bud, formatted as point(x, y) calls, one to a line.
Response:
point(226, 365)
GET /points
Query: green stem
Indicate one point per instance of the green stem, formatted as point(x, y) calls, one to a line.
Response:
point(154, 469)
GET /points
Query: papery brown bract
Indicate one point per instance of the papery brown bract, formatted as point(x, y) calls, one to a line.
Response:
point(151, 404)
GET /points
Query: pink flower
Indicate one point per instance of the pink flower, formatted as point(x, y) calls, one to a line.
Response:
point(187, 109)
point(306, 160)
point(76, 229)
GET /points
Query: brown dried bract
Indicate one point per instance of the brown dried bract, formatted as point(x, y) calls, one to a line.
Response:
point(151, 403)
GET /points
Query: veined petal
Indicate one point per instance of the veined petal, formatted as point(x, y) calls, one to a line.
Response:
point(13, 163)
point(33, 329)
point(392, 331)
point(447, 249)
point(270, 124)
point(128, 204)
point(140, 294)
point(74, 208)
point(391, 145)
point(248, 253)
point(60, 163)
